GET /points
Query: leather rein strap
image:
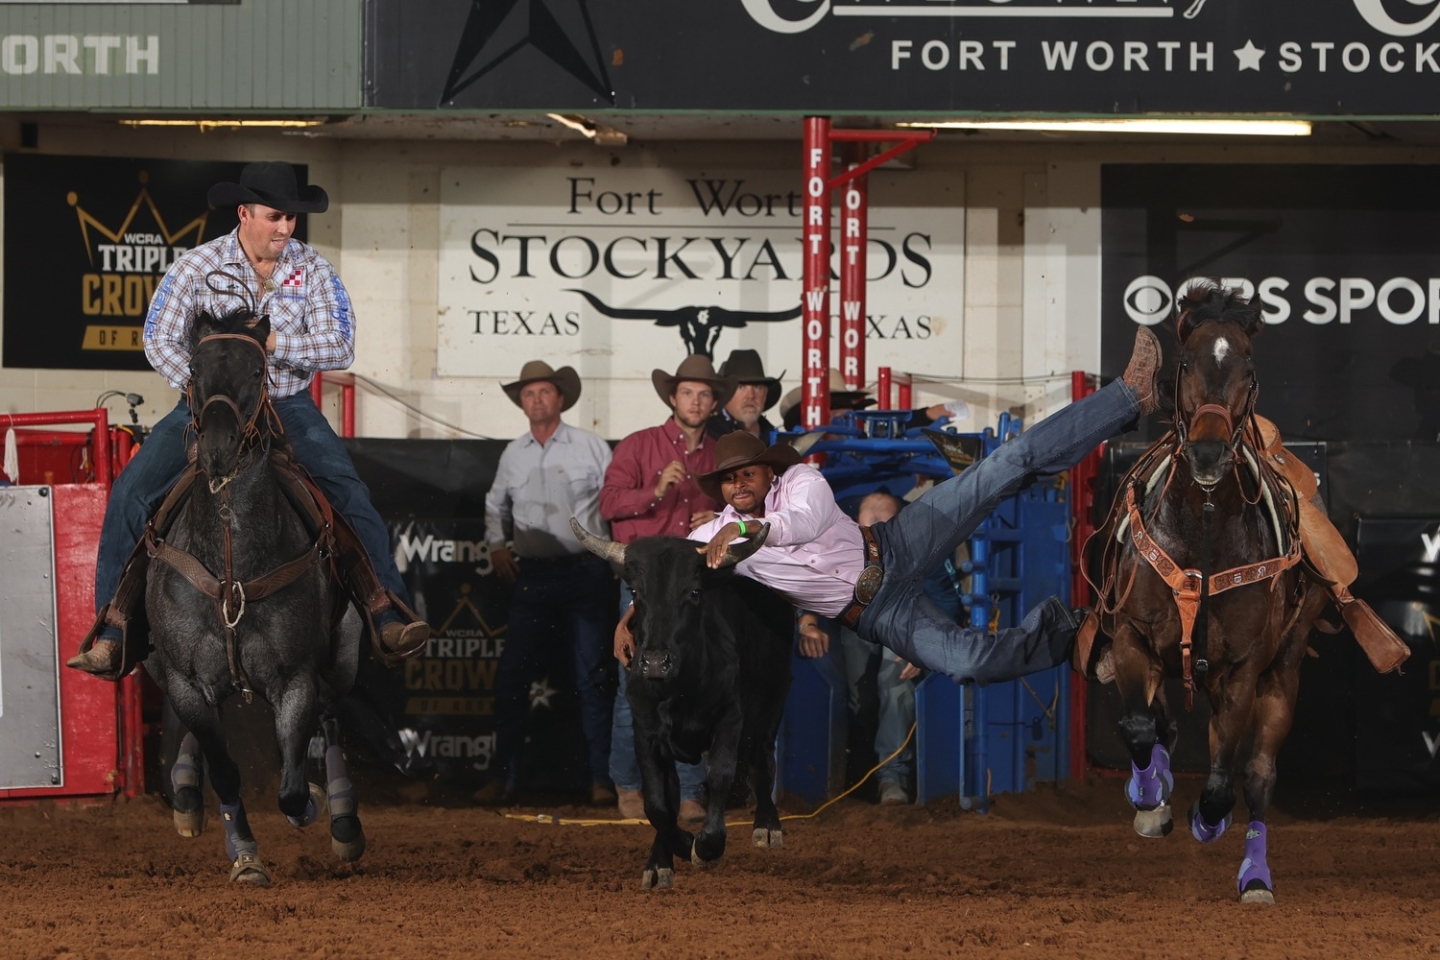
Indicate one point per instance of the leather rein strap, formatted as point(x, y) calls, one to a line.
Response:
point(1187, 584)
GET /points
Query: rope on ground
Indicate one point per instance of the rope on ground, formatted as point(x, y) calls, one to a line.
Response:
point(577, 822)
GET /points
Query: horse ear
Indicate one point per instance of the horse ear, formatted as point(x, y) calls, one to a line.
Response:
point(205, 325)
point(261, 330)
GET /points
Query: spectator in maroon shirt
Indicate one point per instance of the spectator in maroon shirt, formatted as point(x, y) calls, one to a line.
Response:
point(650, 489)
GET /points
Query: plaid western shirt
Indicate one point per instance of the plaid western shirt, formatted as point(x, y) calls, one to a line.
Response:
point(307, 304)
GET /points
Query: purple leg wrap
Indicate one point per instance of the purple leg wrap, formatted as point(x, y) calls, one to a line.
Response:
point(1254, 871)
point(1149, 788)
point(1206, 832)
point(237, 829)
point(186, 770)
point(340, 788)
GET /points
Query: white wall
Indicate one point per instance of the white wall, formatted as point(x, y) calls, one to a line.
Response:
point(1031, 284)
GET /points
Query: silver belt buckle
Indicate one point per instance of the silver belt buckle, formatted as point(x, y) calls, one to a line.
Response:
point(869, 584)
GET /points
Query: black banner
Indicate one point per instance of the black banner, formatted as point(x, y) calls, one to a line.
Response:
point(1324, 58)
point(87, 240)
point(1343, 261)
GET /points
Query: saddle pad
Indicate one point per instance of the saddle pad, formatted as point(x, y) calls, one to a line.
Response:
point(1324, 547)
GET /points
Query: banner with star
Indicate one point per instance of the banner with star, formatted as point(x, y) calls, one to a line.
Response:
point(1322, 58)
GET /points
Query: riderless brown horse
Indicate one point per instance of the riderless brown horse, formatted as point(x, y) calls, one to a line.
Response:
point(1204, 578)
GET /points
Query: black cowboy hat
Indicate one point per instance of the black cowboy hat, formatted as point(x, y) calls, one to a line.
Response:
point(695, 367)
point(742, 449)
point(272, 183)
point(566, 380)
point(745, 367)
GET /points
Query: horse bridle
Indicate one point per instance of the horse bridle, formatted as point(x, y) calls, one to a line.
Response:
point(251, 437)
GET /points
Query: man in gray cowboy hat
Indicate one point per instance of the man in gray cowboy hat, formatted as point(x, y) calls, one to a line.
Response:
point(870, 579)
point(261, 265)
point(754, 394)
point(650, 489)
point(564, 595)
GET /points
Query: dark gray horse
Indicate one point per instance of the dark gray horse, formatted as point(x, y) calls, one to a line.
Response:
point(242, 596)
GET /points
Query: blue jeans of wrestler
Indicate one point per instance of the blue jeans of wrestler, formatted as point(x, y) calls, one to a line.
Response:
point(624, 766)
point(897, 703)
point(146, 479)
point(927, 531)
point(557, 604)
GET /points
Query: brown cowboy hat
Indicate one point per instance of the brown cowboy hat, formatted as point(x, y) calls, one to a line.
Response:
point(745, 367)
point(841, 398)
point(695, 367)
point(272, 183)
point(741, 449)
point(566, 380)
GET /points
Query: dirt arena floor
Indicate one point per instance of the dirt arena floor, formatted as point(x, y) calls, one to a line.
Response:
point(1050, 873)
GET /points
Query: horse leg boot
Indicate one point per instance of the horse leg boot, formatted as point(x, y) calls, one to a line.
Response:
point(187, 796)
point(347, 838)
point(1210, 815)
point(1151, 782)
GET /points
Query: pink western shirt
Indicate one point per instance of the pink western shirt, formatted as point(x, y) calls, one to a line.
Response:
point(814, 553)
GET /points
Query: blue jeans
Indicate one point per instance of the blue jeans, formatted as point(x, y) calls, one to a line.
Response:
point(927, 532)
point(897, 703)
point(142, 485)
point(554, 604)
point(624, 767)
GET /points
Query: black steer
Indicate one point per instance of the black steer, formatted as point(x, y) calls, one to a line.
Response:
point(709, 676)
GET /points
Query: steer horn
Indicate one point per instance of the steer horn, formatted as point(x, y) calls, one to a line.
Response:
point(605, 549)
point(756, 540)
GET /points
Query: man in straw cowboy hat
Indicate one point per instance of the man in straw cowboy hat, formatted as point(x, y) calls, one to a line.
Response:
point(312, 328)
point(650, 489)
point(870, 578)
point(754, 394)
point(563, 592)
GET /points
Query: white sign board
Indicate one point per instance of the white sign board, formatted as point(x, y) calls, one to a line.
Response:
point(618, 272)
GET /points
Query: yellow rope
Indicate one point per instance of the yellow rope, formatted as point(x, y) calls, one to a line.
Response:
point(558, 821)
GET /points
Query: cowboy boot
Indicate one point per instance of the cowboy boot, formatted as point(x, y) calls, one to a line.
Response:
point(1140, 374)
point(400, 639)
point(102, 659)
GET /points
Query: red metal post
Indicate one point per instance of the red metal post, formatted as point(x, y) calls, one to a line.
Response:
point(347, 410)
point(882, 389)
point(1082, 501)
point(854, 206)
point(815, 392)
point(317, 388)
point(903, 389)
point(100, 442)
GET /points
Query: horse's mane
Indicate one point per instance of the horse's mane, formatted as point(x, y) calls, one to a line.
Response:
point(239, 320)
point(1207, 301)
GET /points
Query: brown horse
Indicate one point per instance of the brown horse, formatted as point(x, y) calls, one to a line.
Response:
point(1203, 579)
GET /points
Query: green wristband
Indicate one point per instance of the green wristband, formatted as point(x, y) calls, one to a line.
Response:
point(742, 527)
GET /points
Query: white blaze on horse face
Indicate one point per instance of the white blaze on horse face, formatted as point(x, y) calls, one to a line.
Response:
point(1222, 347)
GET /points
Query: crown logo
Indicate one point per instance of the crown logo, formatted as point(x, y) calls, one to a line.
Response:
point(126, 264)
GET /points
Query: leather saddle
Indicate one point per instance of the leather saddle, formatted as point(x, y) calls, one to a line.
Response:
point(335, 538)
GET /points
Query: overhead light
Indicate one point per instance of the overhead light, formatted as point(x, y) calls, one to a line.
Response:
point(1257, 128)
point(204, 125)
point(602, 135)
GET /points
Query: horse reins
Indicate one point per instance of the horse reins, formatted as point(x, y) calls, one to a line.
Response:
point(229, 594)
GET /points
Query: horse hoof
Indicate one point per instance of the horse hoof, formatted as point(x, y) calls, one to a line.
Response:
point(773, 839)
point(190, 823)
point(247, 868)
point(1154, 823)
point(348, 851)
point(662, 879)
point(1258, 895)
point(314, 807)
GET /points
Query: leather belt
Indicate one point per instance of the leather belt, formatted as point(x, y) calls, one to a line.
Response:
point(869, 583)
